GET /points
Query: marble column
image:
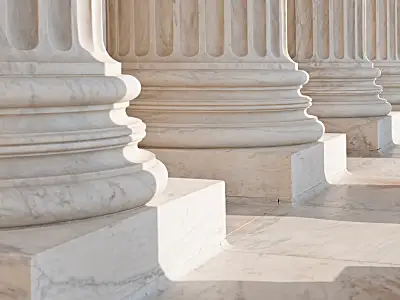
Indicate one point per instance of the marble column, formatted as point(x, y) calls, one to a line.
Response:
point(216, 76)
point(328, 40)
point(214, 73)
point(68, 149)
point(383, 47)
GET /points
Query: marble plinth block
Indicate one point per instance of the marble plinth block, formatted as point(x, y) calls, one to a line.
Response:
point(263, 174)
point(343, 80)
point(395, 115)
point(365, 136)
point(120, 256)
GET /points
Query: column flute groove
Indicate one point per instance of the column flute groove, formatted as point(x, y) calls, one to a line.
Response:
point(233, 105)
point(316, 64)
point(342, 80)
point(219, 98)
point(382, 50)
point(68, 150)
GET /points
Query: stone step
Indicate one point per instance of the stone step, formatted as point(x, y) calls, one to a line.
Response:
point(126, 255)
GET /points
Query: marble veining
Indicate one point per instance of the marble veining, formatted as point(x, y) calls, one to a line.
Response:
point(342, 244)
point(257, 276)
point(226, 82)
point(365, 136)
point(124, 255)
point(224, 91)
point(382, 46)
point(327, 40)
point(68, 149)
point(265, 174)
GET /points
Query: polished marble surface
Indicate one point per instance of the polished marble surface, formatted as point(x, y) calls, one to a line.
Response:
point(325, 233)
point(239, 215)
point(341, 245)
point(254, 276)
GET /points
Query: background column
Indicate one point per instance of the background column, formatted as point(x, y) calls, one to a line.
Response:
point(328, 38)
point(215, 74)
point(383, 47)
point(212, 73)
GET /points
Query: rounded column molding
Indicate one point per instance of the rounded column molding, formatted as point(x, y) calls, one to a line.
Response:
point(68, 149)
point(327, 39)
point(214, 74)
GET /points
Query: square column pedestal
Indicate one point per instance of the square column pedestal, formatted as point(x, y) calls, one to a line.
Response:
point(120, 256)
point(365, 136)
point(263, 174)
point(395, 115)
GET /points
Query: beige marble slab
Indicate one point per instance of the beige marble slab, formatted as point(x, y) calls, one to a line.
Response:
point(254, 276)
point(384, 197)
point(323, 232)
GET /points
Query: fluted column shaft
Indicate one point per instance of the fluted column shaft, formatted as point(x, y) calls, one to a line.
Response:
point(68, 149)
point(383, 46)
point(328, 40)
point(214, 73)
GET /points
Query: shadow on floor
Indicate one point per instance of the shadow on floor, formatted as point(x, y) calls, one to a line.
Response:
point(353, 283)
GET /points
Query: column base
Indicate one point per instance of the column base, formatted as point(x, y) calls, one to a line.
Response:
point(68, 150)
point(389, 80)
point(263, 174)
point(365, 136)
point(119, 255)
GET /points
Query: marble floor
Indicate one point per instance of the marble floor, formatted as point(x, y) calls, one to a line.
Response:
point(342, 245)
